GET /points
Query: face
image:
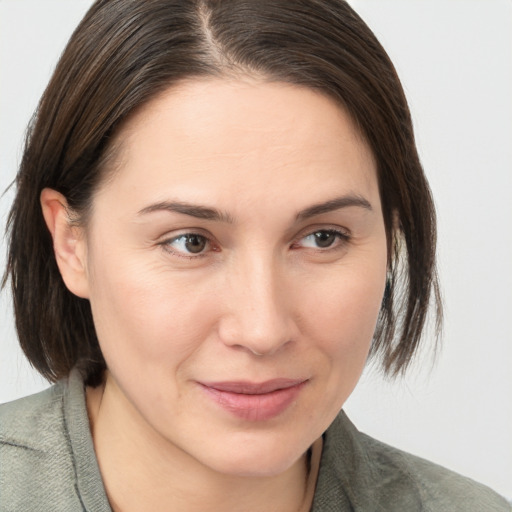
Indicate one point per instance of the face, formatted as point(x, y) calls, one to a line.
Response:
point(235, 265)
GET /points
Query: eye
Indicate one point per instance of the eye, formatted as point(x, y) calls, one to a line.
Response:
point(188, 244)
point(323, 239)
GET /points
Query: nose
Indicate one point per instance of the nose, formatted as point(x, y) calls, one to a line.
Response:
point(257, 310)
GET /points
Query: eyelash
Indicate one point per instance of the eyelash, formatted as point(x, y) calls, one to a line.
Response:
point(342, 237)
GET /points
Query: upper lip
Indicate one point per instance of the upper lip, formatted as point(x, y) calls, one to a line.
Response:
point(253, 388)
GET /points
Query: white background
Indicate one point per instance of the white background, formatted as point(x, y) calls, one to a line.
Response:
point(455, 61)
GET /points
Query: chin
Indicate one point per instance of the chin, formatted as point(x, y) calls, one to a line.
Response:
point(263, 467)
point(256, 462)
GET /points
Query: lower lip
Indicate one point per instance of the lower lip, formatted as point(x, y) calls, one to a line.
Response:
point(258, 407)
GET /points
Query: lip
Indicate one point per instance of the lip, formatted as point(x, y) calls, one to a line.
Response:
point(254, 401)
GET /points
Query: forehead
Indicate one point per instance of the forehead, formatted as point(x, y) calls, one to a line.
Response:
point(242, 136)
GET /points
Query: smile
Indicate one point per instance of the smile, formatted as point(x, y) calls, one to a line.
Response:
point(255, 401)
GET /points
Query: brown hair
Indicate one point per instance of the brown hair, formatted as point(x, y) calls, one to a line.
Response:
point(123, 53)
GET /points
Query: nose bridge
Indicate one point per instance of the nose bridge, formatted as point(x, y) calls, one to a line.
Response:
point(257, 317)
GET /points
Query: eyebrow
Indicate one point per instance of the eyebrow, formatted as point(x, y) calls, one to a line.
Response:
point(334, 204)
point(193, 210)
point(208, 213)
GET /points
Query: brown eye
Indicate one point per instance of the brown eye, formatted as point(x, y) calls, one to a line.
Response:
point(324, 238)
point(188, 244)
point(195, 243)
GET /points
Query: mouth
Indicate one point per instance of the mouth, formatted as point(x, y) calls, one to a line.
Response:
point(253, 401)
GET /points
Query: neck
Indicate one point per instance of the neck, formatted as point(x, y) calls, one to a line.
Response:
point(142, 471)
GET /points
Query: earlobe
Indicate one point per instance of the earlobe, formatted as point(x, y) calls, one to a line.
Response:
point(69, 243)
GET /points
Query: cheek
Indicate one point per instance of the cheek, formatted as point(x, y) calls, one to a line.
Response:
point(144, 316)
point(346, 309)
point(347, 304)
point(338, 318)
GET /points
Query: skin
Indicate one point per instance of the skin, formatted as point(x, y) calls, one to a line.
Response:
point(260, 300)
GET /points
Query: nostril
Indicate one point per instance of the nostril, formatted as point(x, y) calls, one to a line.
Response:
point(261, 349)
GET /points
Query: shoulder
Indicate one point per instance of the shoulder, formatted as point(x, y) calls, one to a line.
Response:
point(25, 423)
point(378, 475)
point(438, 488)
point(35, 457)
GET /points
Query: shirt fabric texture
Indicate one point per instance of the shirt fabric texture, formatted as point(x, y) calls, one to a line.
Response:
point(47, 463)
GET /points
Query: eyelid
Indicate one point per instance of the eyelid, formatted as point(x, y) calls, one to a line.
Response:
point(310, 230)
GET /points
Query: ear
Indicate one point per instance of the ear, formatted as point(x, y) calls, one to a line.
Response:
point(69, 242)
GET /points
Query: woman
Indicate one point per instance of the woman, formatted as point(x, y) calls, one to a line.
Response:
point(220, 213)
